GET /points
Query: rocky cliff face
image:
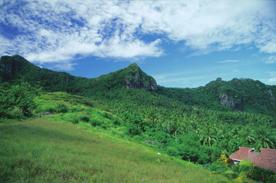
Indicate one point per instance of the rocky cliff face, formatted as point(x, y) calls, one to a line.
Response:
point(136, 78)
point(230, 102)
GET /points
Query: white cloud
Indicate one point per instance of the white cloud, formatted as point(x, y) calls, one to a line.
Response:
point(271, 59)
point(269, 47)
point(116, 47)
point(62, 30)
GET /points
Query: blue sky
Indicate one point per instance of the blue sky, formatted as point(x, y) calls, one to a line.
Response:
point(180, 43)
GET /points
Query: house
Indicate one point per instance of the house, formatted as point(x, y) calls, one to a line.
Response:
point(265, 159)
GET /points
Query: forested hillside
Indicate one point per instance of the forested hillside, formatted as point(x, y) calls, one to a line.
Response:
point(237, 95)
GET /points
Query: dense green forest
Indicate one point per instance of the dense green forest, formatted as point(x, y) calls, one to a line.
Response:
point(202, 125)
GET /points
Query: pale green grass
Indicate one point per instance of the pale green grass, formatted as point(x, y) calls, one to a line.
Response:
point(41, 151)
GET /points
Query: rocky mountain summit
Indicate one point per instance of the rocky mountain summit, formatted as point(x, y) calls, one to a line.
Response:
point(136, 78)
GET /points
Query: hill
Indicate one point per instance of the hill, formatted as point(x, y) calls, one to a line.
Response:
point(44, 151)
point(16, 68)
point(238, 94)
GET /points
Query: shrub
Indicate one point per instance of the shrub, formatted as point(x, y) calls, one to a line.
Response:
point(16, 113)
point(75, 120)
point(134, 130)
point(71, 117)
point(61, 108)
point(224, 158)
point(107, 115)
point(85, 118)
point(116, 121)
point(218, 167)
point(16, 101)
point(262, 175)
point(245, 166)
point(230, 174)
point(95, 122)
point(241, 178)
point(51, 109)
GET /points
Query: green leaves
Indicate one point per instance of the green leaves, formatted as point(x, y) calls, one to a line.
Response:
point(16, 101)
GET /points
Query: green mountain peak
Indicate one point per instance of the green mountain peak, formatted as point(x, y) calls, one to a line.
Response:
point(130, 77)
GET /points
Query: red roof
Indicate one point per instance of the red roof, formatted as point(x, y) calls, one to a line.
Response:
point(265, 159)
point(244, 153)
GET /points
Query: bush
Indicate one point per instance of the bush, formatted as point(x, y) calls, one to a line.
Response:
point(16, 101)
point(218, 167)
point(107, 115)
point(75, 121)
point(95, 122)
point(85, 118)
point(16, 113)
point(61, 108)
point(224, 158)
point(71, 117)
point(51, 109)
point(245, 166)
point(116, 121)
point(134, 130)
point(262, 175)
point(242, 178)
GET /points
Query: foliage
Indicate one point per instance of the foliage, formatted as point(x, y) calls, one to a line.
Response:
point(16, 101)
point(262, 175)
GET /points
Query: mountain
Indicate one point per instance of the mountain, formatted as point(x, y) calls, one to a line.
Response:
point(237, 94)
point(130, 77)
point(16, 68)
point(243, 94)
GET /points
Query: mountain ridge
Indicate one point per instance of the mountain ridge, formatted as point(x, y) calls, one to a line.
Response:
point(236, 94)
point(15, 67)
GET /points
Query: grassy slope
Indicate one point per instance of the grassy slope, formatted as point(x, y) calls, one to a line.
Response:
point(42, 151)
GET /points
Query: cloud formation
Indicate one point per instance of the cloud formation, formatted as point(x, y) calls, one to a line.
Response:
point(60, 30)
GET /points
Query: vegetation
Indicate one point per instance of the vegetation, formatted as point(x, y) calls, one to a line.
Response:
point(201, 125)
point(194, 137)
point(16, 101)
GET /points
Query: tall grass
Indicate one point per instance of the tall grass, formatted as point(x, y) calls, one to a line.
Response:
point(42, 151)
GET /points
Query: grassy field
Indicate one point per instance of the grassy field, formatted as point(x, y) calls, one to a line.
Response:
point(40, 150)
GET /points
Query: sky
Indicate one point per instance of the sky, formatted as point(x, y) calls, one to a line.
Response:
point(181, 43)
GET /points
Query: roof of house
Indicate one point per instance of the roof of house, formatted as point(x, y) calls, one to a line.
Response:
point(265, 159)
point(244, 153)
